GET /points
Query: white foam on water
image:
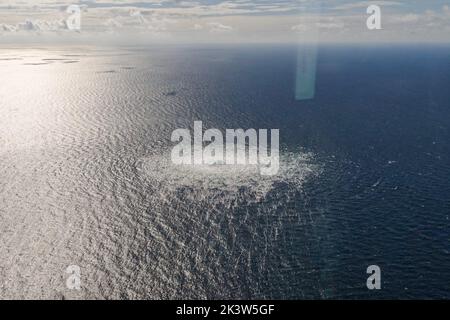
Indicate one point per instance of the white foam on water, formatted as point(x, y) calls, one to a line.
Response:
point(294, 169)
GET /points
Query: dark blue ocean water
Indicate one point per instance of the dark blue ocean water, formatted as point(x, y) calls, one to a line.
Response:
point(86, 179)
point(380, 125)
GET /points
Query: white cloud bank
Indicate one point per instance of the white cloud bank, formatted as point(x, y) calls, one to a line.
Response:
point(239, 20)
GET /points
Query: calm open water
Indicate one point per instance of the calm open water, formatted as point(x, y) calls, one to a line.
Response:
point(86, 178)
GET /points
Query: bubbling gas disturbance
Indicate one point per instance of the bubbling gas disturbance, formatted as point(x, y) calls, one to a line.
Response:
point(161, 173)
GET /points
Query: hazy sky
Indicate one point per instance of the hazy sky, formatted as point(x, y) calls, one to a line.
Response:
point(225, 21)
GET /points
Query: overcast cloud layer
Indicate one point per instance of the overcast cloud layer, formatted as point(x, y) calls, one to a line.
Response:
point(225, 21)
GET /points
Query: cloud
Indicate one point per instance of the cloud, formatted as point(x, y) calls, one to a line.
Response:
point(301, 28)
point(113, 23)
point(258, 20)
point(410, 17)
point(330, 25)
point(7, 27)
point(134, 19)
point(315, 23)
point(446, 9)
point(35, 26)
point(430, 19)
point(365, 4)
point(217, 27)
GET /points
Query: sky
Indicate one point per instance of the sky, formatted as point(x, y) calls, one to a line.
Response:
point(265, 21)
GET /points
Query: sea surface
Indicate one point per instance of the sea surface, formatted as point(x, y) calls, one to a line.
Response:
point(86, 177)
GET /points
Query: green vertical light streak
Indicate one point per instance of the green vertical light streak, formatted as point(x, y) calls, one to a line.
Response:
point(305, 83)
